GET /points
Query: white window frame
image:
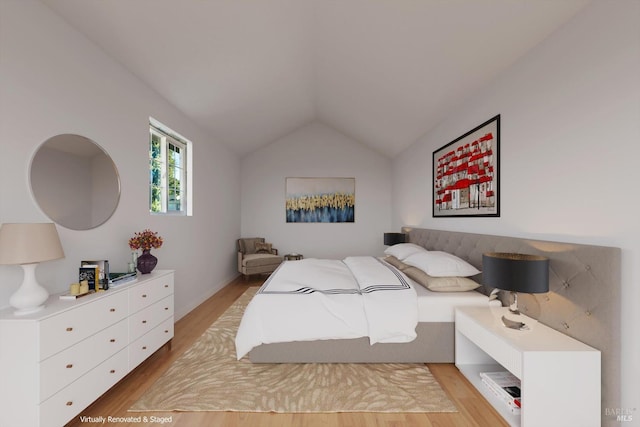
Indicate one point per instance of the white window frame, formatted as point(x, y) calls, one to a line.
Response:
point(168, 136)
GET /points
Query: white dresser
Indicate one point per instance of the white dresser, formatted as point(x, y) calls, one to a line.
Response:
point(56, 362)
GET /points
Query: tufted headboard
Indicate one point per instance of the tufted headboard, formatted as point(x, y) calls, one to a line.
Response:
point(584, 290)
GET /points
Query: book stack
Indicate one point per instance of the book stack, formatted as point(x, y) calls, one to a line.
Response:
point(93, 276)
point(96, 273)
point(117, 279)
point(506, 387)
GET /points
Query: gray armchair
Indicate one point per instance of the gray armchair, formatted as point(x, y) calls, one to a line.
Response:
point(255, 256)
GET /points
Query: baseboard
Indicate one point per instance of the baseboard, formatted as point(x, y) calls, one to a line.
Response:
point(183, 311)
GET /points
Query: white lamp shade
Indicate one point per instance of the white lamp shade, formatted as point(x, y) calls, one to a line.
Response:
point(27, 243)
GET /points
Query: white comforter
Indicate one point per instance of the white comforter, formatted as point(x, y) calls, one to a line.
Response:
point(319, 299)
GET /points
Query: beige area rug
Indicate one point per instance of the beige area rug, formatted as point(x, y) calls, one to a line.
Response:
point(207, 377)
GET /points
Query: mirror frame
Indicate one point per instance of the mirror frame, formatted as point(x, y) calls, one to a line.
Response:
point(49, 187)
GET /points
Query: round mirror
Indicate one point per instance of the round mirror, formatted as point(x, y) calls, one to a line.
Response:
point(75, 182)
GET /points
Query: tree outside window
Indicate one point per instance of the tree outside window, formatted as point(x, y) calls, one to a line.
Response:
point(167, 172)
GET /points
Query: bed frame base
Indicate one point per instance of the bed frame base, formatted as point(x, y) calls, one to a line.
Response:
point(434, 344)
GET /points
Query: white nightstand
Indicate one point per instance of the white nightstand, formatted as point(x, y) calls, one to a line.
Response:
point(560, 376)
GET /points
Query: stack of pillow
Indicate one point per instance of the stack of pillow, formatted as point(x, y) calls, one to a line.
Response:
point(435, 270)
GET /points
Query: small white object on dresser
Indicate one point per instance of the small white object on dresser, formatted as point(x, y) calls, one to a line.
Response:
point(56, 362)
point(560, 376)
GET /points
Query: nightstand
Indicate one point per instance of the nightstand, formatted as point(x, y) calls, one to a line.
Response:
point(293, 257)
point(560, 376)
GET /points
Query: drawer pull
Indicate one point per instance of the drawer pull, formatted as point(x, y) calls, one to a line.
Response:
point(144, 295)
point(112, 310)
point(70, 365)
point(144, 321)
point(144, 348)
point(113, 371)
point(166, 286)
point(69, 329)
point(166, 331)
point(69, 403)
point(166, 308)
point(112, 340)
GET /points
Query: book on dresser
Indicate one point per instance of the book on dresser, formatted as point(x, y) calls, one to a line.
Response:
point(90, 273)
point(116, 279)
point(101, 274)
point(505, 386)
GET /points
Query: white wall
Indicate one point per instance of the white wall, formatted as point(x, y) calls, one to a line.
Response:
point(316, 150)
point(52, 81)
point(570, 133)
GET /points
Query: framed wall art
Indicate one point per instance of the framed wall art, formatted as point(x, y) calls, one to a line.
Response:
point(320, 199)
point(466, 173)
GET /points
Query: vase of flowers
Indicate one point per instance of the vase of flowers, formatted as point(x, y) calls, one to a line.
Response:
point(146, 240)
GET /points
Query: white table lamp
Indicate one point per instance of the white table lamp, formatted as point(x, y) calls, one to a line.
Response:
point(28, 244)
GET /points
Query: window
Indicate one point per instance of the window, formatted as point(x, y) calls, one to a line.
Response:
point(169, 171)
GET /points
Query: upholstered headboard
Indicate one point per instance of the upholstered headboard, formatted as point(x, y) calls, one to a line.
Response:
point(584, 290)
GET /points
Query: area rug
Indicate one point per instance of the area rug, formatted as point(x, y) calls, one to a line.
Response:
point(207, 377)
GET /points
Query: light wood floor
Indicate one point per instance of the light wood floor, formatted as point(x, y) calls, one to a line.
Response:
point(473, 409)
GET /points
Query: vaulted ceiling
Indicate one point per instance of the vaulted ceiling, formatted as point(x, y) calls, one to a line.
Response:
point(382, 72)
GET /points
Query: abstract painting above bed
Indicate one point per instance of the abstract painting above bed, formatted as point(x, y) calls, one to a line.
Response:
point(320, 199)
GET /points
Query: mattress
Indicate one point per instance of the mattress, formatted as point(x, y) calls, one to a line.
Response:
point(440, 306)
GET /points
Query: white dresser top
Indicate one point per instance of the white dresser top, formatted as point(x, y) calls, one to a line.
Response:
point(54, 305)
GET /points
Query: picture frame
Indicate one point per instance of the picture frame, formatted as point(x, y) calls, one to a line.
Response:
point(324, 200)
point(466, 174)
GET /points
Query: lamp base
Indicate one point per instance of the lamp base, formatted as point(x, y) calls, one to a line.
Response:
point(25, 311)
point(30, 296)
point(514, 324)
point(513, 308)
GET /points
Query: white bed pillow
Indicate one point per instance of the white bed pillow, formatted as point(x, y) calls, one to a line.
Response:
point(441, 284)
point(441, 264)
point(403, 250)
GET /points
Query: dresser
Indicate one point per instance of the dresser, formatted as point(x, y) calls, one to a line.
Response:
point(56, 362)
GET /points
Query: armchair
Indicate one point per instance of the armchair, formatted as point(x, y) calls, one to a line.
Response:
point(256, 257)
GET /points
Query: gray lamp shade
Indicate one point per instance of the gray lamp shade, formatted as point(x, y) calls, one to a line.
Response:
point(516, 272)
point(391, 239)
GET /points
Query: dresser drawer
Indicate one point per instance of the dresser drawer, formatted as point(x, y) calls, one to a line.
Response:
point(63, 368)
point(143, 321)
point(68, 402)
point(147, 293)
point(147, 344)
point(72, 326)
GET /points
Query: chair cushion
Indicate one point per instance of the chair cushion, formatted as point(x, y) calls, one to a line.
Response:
point(256, 260)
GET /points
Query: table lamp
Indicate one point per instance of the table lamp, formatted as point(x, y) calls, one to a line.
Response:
point(515, 272)
point(391, 239)
point(28, 244)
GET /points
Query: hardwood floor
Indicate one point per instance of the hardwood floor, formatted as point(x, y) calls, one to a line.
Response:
point(473, 409)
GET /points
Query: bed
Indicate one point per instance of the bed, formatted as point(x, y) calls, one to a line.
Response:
point(356, 310)
point(583, 302)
